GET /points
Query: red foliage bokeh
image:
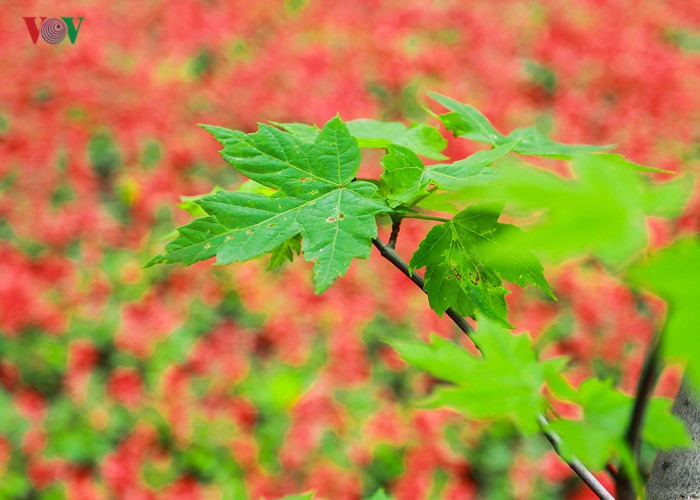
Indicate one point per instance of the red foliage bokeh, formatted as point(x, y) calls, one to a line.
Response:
point(84, 200)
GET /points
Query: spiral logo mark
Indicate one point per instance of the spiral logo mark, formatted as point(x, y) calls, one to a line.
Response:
point(53, 30)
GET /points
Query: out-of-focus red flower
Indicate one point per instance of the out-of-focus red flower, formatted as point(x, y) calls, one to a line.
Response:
point(125, 386)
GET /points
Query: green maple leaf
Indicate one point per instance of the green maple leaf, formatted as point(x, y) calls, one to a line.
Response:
point(602, 211)
point(595, 438)
point(673, 273)
point(465, 120)
point(303, 131)
point(505, 383)
point(600, 434)
point(316, 199)
point(662, 429)
point(667, 199)
point(409, 180)
point(419, 138)
point(465, 268)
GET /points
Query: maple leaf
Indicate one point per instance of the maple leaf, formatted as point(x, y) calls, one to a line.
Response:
point(419, 138)
point(600, 433)
point(505, 383)
point(465, 120)
point(317, 199)
point(465, 269)
point(601, 211)
point(409, 180)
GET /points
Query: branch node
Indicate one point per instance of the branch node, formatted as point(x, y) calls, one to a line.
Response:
point(395, 228)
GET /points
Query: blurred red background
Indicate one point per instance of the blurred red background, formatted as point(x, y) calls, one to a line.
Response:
point(204, 382)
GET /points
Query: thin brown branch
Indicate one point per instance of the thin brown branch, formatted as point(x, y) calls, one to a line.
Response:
point(389, 254)
point(645, 388)
point(395, 228)
point(575, 465)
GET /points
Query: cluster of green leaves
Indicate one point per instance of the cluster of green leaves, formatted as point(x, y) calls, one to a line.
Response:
point(508, 381)
point(309, 201)
point(601, 211)
point(315, 197)
point(304, 197)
